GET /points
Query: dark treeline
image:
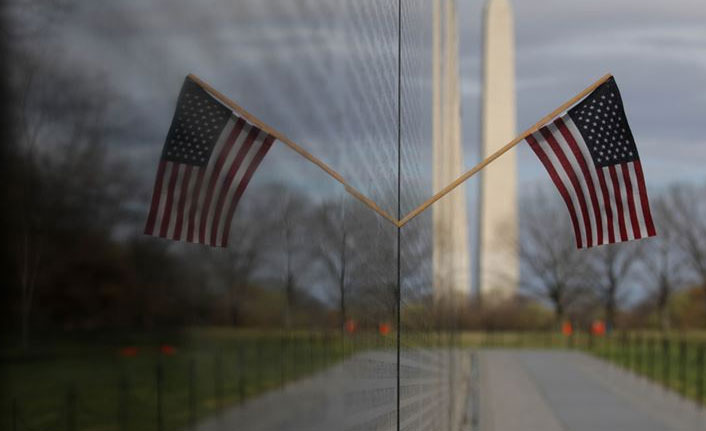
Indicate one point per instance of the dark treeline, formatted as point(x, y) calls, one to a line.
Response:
point(76, 259)
point(6, 166)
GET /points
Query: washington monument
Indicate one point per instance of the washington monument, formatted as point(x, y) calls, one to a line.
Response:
point(451, 257)
point(498, 267)
point(497, 263)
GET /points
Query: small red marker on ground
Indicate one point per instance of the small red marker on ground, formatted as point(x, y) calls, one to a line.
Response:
point(567, 329)
point(128, 351)
point(598, 327)
point(166, 349)
point(350, 326)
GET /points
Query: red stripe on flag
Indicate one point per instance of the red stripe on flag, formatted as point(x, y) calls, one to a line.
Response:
point(166, 216)
point(631, 202)
point(156, 194)
point(243, 184)
point(559, 185)
point(182, 201)
point(228, 180)
point(618, 203)
point(214, 177)
point(559, 123)
point(651, 231)
point(196, 194)
point(608, 207)
point(572, 178)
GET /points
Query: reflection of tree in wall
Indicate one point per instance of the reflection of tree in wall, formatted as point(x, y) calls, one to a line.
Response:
point(334, 251)
point(418, 294)
point(372, 274)
point(8, 170)
point(235, 265)
point(68, 191)
point(288, 243)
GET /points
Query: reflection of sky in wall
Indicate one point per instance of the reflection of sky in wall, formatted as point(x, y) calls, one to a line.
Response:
point(284, 61)
point(264, 52)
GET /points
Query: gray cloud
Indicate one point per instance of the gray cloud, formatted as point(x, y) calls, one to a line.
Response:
point(325, 71)
point(656, 50)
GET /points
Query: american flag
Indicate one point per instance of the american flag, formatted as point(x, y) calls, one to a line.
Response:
point(592, 159)
point(209, 157)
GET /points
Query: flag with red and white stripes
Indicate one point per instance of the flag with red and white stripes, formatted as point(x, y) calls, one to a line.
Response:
point(592, 159)
point(208, 159)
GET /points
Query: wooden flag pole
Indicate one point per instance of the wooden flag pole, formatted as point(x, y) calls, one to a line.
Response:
point(490, 159)
point(288, 142)
point(364, 199)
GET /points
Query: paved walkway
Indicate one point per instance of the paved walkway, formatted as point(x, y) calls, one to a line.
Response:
point(554, 390)
point(513, 390)
point(360, 394)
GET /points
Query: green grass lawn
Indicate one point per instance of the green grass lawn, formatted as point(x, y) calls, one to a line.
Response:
point(90, 383)
point(93, 383)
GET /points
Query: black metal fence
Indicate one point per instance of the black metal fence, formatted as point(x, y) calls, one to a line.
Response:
point(174, 391)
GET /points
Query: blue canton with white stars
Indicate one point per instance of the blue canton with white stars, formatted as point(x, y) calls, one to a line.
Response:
point(198, 122)
point(601, 120)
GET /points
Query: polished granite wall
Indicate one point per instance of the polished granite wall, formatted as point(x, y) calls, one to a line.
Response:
point(325, 73)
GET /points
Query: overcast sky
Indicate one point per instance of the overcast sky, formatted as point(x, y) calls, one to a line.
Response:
point(655, 49)
point(324, 73)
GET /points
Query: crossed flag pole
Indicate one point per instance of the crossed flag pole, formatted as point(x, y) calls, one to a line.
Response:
point(364, 199)
point(214, 146)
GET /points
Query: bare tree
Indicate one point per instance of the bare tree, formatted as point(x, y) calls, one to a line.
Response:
point(289, 241)
point(235, 265)
point(334, 249)
point(663, 266)
point(31, 115)
point(686, 216)
point(371, 288)
point(36, 114)
point(611, 268)
point(555, 270)
point(66, 183)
